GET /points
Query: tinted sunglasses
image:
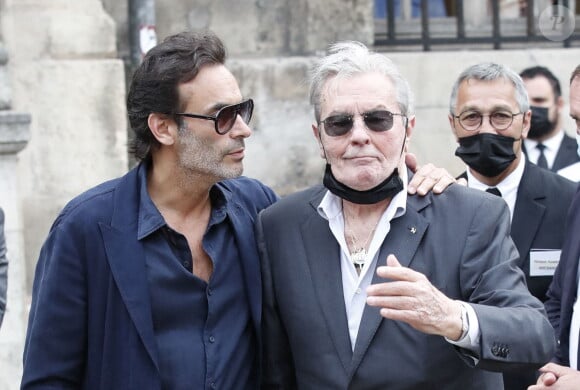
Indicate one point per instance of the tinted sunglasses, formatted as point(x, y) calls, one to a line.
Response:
point(377, 121)
point(226, 117)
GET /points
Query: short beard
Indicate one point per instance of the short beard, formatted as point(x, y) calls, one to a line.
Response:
point(198, 156)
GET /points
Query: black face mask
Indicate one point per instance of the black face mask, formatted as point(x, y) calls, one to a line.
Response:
point(540, 124)
point(487, 154)
point(390, 187)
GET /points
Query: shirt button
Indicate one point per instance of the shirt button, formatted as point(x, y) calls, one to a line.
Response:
point(209, 291)
point(211, 339)
point(358, 290)
point(212, 385)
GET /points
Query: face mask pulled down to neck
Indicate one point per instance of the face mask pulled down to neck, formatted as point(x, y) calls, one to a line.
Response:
point(390, 187)
point(486, 153)
point(387, 189)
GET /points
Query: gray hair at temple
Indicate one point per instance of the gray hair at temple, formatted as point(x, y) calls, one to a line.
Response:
point(489, 71)
point(347, 59)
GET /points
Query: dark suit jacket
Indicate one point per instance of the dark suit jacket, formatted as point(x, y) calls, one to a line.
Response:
point(540, 210)
point(459, 240)
point(90, 324)
point(567, 153)
point(541, 207)
point(3, 268)
point(562, 292)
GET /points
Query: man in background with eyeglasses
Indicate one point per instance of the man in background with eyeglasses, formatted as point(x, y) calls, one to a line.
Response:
point(490, 117)
point(366, 287)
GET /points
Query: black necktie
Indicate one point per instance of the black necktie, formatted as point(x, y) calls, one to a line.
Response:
point(542, 162)
point(493, 190)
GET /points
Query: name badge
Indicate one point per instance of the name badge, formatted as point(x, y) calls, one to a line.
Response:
point(543, 262)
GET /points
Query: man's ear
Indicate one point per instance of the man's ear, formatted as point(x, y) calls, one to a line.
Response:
point(316, 132)
point(452, 125)
point(560, 103)
point(163, 128)
point(526, 122)
point(409, 131)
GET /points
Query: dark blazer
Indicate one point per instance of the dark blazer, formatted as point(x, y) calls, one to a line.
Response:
point(562, 292)
point(541, 207)
point(567, 153)
point(3, 268)
point(540, 210)
point(459, 240)
point(90, 323)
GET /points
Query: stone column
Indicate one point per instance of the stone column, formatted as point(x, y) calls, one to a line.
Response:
point(14, 135)
point(65, 72)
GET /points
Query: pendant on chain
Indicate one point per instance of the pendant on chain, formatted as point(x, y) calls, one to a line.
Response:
point(359, 257)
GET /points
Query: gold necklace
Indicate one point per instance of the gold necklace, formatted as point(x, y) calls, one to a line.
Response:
point(358, 254)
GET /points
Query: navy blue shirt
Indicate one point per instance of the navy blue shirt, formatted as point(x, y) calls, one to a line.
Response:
point(204, 332)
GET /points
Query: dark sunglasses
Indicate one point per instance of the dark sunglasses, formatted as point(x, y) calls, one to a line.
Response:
point(377, 121)
point(226, 117)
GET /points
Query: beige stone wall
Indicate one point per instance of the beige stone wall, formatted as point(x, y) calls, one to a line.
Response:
point(63, 70)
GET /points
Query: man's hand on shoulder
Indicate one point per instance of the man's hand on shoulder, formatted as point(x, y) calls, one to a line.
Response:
point(428, 177)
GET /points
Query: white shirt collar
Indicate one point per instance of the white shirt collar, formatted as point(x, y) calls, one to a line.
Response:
point(551, 144)
point(550, 151)
point(508, 186)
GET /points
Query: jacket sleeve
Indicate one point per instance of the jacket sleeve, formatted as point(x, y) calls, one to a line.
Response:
point(54, 352)
point(515, 332)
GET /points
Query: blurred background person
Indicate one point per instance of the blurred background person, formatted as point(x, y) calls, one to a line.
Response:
point(547, 144)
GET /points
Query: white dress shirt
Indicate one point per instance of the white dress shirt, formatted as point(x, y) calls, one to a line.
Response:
point(575, 328)
point(551, 148)
point(354, 285)
point(508, 186)
point(571, 172)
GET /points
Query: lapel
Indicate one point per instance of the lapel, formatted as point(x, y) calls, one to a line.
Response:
point(567, 153)
point(403, 241)
point(528, 211)
point(243, 226)
point(126, 259)
point(323, 256)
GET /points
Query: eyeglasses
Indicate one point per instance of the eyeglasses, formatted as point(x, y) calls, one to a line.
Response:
point(226, 117)
point(499, 120)
point(377, 121)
